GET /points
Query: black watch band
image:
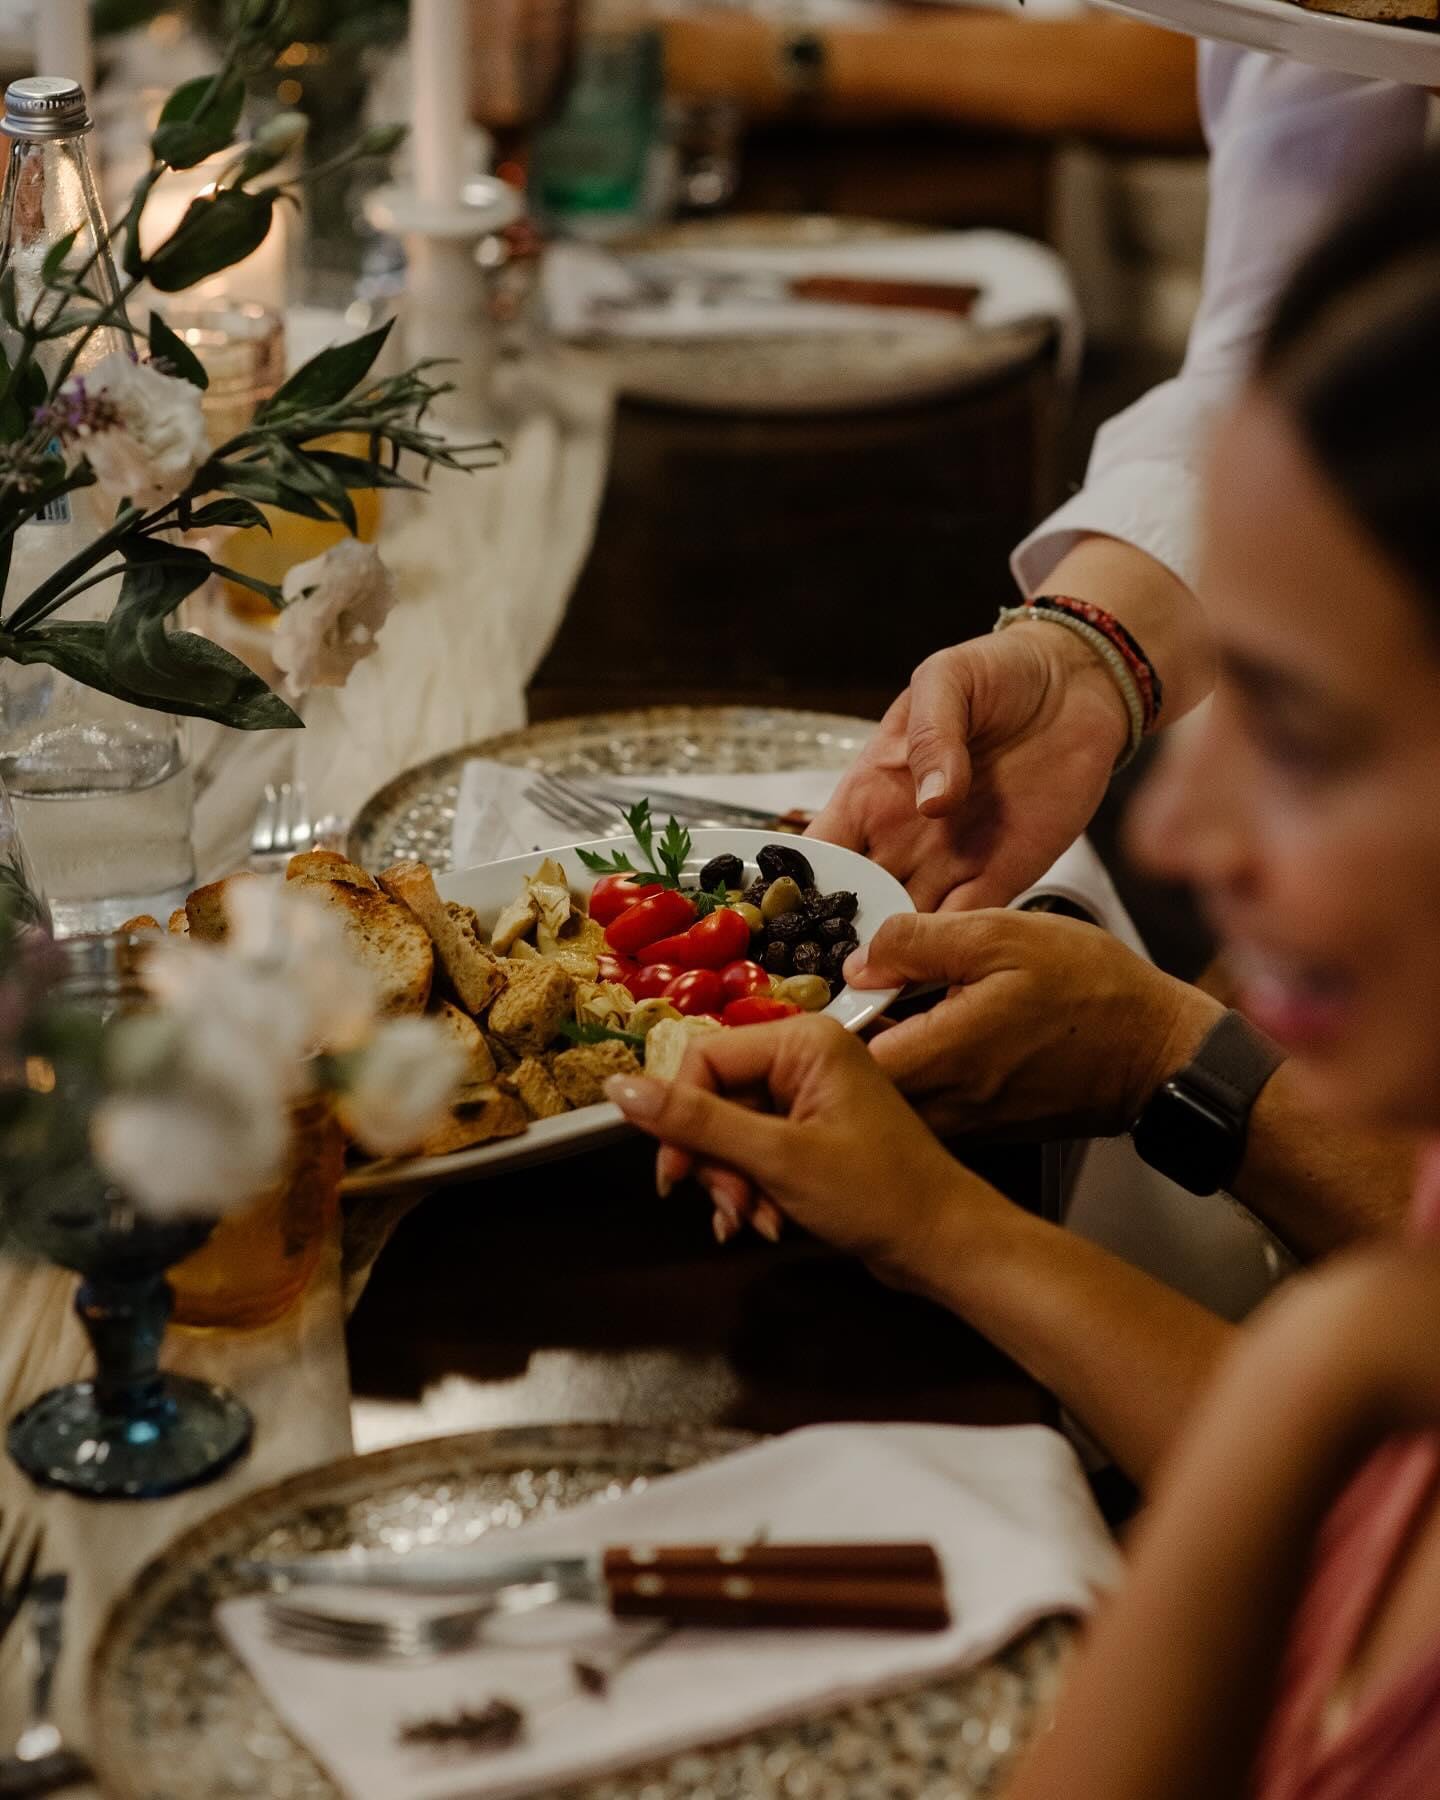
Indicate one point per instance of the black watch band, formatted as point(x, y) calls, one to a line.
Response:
point(1194, 1128)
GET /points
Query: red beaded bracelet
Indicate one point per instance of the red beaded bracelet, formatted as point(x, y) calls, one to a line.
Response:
point(1147, 679)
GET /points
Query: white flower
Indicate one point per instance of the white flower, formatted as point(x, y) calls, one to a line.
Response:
point(204, 990)
point(142, 431)
point(335, 606)
point(401, 1086)
point(292, 943)
point(207, 1129)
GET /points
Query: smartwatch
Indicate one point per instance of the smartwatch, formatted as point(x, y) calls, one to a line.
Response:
point(1193, 1130)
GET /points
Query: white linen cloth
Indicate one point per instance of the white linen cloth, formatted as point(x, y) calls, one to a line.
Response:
point(1008, 1510)
point(1288, 142)
point(1018, 279)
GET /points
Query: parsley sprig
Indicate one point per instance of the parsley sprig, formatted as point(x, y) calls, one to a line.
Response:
point(672, 851)
point(589, 1031)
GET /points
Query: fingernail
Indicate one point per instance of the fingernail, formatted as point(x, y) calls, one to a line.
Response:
point(931, 787)
point(664, 1180)
point(767, 1223)
point(724, 1227)
point(855, 963)
point(635, 1095)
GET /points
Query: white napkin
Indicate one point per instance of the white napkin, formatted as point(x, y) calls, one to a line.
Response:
point(1018, 279)
point(1008, 1510)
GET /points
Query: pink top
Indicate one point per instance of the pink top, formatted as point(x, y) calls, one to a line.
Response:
point(1389, 1749)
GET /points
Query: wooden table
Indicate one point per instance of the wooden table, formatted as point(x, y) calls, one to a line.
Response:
point(571, 1292)
point(809, 561)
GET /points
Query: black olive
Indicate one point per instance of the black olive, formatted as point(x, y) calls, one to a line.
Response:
point(722, 871)
point(841, 906)
point(813, 901)
point(775, 959)
point(776, 860)
point(788, 928)
point(835, 958)
point(808, 958)
point(835, 931)
point(756, 891)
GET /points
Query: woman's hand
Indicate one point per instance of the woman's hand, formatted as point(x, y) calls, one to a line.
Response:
point(798, 1113)
point(985, 770)
point(1050, 1026)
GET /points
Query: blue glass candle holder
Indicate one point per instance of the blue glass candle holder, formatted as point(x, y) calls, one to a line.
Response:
point(133, 1431)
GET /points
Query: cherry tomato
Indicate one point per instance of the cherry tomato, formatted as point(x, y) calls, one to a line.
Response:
point(611, 894)
point(648, 920)
point(757, 1009)
point(742, 979)
point(651, 982)
point(710, 944)
point(623, 969)
point(696, 991)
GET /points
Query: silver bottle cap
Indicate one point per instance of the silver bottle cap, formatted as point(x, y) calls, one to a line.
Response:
point(45, 106)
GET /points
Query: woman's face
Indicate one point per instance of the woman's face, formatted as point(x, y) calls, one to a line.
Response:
point(1304, 804)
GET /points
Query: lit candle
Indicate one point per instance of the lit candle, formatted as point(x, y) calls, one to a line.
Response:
point(62, 40)
point(440, 80)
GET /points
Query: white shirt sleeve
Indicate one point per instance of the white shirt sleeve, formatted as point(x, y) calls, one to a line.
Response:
point(1287, 142)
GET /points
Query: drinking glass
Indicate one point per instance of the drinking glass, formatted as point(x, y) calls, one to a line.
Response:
point(258, 1262)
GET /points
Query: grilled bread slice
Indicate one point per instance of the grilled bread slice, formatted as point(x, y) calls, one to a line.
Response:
point(385, 938)
point(473, 971)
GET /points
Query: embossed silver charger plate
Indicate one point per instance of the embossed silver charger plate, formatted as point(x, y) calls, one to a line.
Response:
point(178, 1717)
point(414, 814)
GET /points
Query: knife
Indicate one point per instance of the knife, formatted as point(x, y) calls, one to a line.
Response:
point(879, 1585)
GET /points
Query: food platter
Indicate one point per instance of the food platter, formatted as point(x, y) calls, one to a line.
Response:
point(1369, 48)
point(492, 886)
point(176, 1715)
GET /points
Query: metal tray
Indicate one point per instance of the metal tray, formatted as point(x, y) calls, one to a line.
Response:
point(413, 815)
point(178, 1717)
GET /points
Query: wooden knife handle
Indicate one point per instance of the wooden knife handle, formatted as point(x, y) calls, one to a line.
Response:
point(953, 297)
point(917, 1562)
point(881, 1603)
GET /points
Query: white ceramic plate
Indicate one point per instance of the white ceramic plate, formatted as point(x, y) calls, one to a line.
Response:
point(492, 886)
point(1364, 47)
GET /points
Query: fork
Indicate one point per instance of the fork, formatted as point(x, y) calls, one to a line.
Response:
point(39, 1763)
point(283, 826)
point(17, 1575)
point(594, 809)
point(397, 1637)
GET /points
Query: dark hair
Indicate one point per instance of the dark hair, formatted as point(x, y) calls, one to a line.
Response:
point(1353, 353)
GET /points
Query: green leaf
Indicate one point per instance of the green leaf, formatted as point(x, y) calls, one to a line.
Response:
point(9, 304)
point(199, 119)
point(234, 695)
point(255, 482)
point(674, 851)
point(358, 473)
point(268, 589)
point(57, 256)
point(617, 864)
point(217, 231)
point(590, 1032)
point(326, 378)
point(243, 514)
point(157, 578)
point(168, 347)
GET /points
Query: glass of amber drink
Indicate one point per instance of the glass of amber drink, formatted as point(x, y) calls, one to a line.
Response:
point(258, 1262)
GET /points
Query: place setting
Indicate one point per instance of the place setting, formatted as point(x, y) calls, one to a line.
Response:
point(625, 1158)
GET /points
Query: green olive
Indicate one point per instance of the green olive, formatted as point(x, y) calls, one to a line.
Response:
point(812, 992)
point(733, 894)
point(782, 896)
point(752, 916)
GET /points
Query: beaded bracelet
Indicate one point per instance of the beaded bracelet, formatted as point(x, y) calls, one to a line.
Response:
point(1118, 667)
point(1146, 676)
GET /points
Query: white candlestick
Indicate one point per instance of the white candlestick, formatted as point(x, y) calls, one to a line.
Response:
point(62, 40)
point(440, 82)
